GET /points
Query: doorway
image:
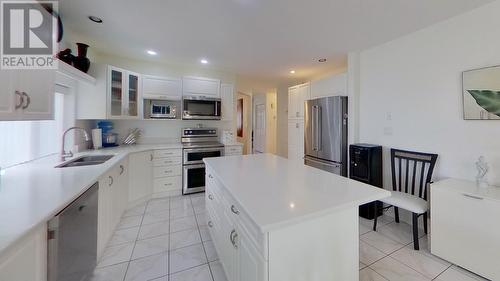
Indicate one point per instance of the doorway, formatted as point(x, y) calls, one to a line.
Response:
point(244, 121)
point(260, 129)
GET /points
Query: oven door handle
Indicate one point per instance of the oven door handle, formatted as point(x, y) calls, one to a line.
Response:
point(187, 150)
point(195, 166)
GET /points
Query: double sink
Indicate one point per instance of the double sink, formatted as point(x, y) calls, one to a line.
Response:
point(88, 160)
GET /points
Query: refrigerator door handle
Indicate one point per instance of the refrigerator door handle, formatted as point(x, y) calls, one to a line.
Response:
point(314, 128)
point(319, 129)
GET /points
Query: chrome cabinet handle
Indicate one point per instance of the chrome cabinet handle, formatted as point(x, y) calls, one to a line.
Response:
point(151, 157)
point(28, 100)
point(111, 180)
point(211, 197)
point(472, 196)
point(234, 210)
point(210, 224)
point(297, 114)
point(122, 169)
point(210, 176)
point(232, 237)
point(21, 100)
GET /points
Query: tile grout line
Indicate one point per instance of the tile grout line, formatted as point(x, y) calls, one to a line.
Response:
point(135, 242)
point(202, 244)
point(443, 271)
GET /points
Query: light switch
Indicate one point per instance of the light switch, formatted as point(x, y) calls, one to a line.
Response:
point(388, 116)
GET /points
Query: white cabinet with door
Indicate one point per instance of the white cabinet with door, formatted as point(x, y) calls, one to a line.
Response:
point(227, 97)
point(113, 200)
point(334, 85)
point(296, 140)
point(123, 94)
point(141, 176)
point(200, 87)
point(26, 260)
point(27, 94)
point(161, 88)
point(297, 95)
point(462, 231)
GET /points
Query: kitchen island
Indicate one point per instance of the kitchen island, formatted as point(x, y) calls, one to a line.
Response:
point(272, 219)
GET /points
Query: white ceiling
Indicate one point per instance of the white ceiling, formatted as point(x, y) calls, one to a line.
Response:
point(258, 38)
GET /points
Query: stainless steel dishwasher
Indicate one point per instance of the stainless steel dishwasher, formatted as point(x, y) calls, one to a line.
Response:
point(72, 239)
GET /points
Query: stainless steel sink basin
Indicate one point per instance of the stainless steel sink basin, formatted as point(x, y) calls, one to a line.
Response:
point(86, 161)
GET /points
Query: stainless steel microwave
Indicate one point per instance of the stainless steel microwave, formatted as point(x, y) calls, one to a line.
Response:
point(201, 108)
point(160, 109)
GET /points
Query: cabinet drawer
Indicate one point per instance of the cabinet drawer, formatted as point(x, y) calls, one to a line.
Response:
point(167, 184)
point(461, 234)
point(167, 171)
point(159, 162)
point(167, 153)
point(233, 150)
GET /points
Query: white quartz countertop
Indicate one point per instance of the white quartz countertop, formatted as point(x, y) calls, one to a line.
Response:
point(34, 192)
point(469, 188)
point(276, 192)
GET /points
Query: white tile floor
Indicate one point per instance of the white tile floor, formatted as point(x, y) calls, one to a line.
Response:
point(167, 240)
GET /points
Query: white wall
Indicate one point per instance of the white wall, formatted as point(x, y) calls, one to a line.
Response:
point(411, 97)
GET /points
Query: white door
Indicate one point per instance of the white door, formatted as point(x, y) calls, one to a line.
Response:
point(292, 103)
point(8, 97)
point(141, 179)
point(260, 129)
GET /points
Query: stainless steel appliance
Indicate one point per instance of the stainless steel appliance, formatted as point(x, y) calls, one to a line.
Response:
point(201, 108)
point(161, 109)
point(72, 239)
point(326, 134)
point(198, 143)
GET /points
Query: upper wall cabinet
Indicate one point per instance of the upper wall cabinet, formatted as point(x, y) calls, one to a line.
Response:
point(161, 88)
point(26, 94)
point(123, 94)
point(335, 85)
point(227, 96)
point(297, 95)
point(202, 87)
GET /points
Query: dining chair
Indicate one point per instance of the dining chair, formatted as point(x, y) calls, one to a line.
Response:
point(411, 176)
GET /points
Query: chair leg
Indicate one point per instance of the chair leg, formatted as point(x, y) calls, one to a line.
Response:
point(396, 214)
point(425, 223)
point(375, 209)
point(415, 232)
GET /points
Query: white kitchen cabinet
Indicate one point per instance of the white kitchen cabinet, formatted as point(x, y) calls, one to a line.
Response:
point(462, 226)
point(233, 149)
point(140, 176)
point(119, 191)
point(333, 85)
point(167, 172)
point(27, 94)
point(26, 260)
point(297, 95)
point(123, 94)
point(251, 265)
point(161, 88)
point(227, 97)
point(201, 87)
point(296, 140)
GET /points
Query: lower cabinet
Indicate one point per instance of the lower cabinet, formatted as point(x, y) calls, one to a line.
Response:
point(462, 231)
point(240, 258)
point(141, 176)
point(233, 149)
point(113, 200)
point(26, 260)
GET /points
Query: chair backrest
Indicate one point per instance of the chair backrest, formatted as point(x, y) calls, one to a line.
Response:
point(412, 171)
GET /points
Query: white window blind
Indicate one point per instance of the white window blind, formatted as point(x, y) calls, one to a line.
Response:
point(24, 141)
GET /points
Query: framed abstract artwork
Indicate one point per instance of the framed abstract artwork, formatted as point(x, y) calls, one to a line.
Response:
point(481, 93)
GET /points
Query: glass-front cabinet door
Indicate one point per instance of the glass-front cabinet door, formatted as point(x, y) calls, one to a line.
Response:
point(133, 97)
point(123, 93)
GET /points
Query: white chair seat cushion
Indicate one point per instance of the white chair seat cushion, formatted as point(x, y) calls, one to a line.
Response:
point(407, 201)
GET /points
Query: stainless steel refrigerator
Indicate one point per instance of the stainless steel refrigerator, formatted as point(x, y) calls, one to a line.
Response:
point(326, 134)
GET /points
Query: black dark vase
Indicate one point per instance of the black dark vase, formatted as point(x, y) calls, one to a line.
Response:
point(81, 61)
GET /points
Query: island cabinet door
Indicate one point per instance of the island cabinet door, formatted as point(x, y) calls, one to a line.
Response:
point(251, 265)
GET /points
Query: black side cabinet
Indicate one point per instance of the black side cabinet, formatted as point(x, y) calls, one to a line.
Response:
point(366, 166)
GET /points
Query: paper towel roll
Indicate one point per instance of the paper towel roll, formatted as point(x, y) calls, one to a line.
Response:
point(97, 138)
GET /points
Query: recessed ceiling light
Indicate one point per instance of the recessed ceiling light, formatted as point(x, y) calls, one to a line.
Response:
point(292, 71)
point(151, 52)
point(204, 61)
point(322, 60)
point(95, 19)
